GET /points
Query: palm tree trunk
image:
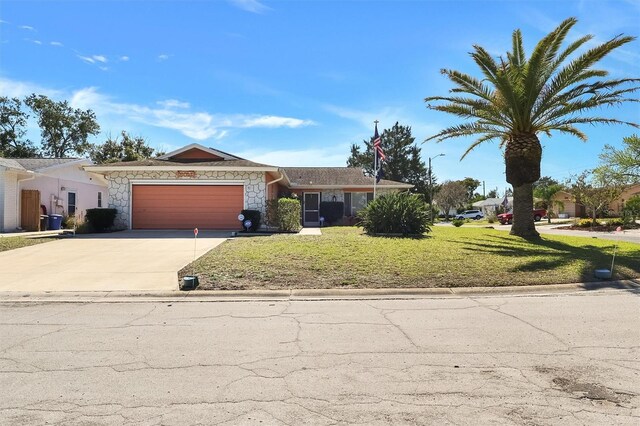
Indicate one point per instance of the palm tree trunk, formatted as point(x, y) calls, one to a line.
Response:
point(522, 156)
point(523, 224)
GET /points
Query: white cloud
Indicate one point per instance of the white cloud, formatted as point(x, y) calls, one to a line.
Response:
point(169, 114)
point(26, 27)
point(2, 21)
point(253, 6)
point(176, 115)
point(87, 59)
point(275, 121)
point(20, 89)
point(104, 68)
point(100, 58)
point(37, 42)
point(163, 57)
point(56, 43)
point(124, 58)
point(173, 103)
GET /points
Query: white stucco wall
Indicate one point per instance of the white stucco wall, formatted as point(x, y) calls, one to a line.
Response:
point(119, 188)
point(8, 201)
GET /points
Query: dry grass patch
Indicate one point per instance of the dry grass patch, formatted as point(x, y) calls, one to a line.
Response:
point(10, 243)
point(344, 257)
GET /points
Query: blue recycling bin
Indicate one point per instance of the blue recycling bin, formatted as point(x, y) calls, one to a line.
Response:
point(55, 222)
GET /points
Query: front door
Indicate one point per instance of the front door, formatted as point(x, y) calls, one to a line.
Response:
point(311, 209)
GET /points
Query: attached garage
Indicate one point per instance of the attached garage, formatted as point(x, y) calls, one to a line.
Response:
point(170, 206)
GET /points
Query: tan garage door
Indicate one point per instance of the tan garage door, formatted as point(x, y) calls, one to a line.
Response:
point(186, 206)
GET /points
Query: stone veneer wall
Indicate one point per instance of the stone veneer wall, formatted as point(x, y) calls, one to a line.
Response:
point(119, 188)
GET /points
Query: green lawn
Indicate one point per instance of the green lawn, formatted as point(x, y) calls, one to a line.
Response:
point(10, 243)
point(344, 257)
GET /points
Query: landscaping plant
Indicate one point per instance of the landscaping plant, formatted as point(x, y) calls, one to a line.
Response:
point(289, 211)
point(101, 219)
point(254, 216)
point(397, 213)
point(519, 97)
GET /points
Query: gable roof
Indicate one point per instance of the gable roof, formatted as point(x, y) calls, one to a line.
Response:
point(40, 164)
point(196, 146)
point(11, 163)
point(159, 164)
point(335, 177)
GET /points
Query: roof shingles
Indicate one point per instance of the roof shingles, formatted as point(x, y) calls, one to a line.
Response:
point(334, 176)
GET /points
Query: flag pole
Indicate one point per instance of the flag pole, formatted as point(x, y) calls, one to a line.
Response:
point(375, 164)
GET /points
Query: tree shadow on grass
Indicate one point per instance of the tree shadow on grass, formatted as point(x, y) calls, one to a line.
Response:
point(558, 254)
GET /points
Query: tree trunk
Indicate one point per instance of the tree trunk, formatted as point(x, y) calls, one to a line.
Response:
point(523, 224)
point(522, 159)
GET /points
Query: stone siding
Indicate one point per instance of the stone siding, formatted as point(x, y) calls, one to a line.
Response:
point(119, 186)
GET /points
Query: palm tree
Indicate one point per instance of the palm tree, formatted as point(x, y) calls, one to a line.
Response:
point(520, 98)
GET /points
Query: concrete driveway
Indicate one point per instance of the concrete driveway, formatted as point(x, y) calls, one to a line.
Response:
point(120, 261)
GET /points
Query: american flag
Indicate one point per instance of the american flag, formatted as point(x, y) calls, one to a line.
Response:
point(377, 146)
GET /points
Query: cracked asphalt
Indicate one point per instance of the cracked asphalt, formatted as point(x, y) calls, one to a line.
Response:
point(501, 359)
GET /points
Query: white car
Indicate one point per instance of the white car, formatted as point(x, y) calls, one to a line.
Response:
point(470, 214)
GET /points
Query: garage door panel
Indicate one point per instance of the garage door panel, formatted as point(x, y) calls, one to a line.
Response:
point(186, 206)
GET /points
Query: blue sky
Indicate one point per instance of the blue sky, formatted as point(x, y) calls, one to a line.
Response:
point(293, 82)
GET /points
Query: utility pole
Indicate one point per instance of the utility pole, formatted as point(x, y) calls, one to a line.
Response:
point(431, 185)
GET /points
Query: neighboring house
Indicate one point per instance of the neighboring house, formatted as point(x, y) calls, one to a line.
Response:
point(490, 206)
point(565, 205)
point(46, 185)
point(617, 205)
point(196, 186)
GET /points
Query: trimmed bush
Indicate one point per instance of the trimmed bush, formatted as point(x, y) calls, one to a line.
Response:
point(271, 214)
point(492, 218)
point(585, 223)
point(615, 222)
point(457, 222)
point(101, 219)
point(631, 208)
point(332, 211)
point(289, 211)
point(396, 213)
point(255, 216)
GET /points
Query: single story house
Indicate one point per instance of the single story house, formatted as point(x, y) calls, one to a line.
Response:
point(566, 203)
point(196, 186)
point(30, 187)
point(490, 205)
point(630, 191)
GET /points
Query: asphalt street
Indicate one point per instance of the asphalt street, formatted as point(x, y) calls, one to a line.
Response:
point(566, 358)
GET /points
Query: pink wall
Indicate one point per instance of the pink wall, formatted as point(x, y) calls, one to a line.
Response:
point(85, 185)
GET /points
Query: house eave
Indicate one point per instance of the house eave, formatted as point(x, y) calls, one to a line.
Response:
point(102, 169)
point(399, 186)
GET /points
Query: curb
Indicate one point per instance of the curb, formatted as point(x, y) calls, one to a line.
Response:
point(309, 294)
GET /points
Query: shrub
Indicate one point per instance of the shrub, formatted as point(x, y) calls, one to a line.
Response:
point(492, 218)
point(615, 222)
point(457, 222)
point(585, 223)
point(395, 213)
point(332, 211)
point(632, 208)
point(289, 211)
point(255, 216)
point(271, 214)
point(101, 219)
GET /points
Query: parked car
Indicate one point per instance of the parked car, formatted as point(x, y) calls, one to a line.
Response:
point(470, 214)
point(505, 218)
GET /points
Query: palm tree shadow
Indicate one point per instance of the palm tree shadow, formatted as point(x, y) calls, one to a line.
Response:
point(559, 254)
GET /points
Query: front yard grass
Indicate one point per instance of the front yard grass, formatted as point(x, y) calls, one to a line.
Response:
point(10, 243)
point(344, 257)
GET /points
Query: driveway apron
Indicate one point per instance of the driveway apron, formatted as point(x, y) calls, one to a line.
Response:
point(120, 261)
